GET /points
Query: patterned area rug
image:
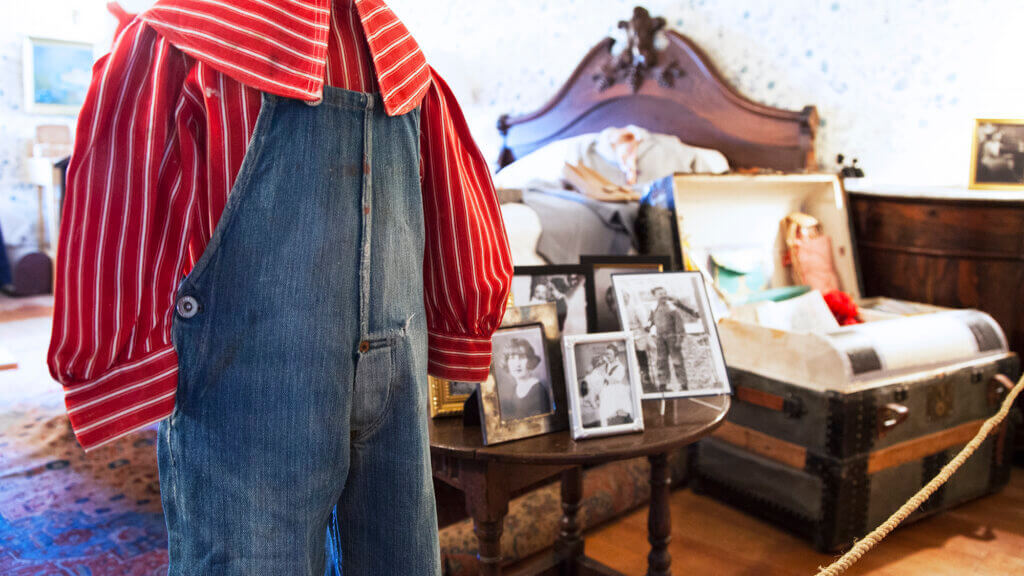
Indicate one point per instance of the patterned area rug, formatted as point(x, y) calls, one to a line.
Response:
point(66, 512)
point(63, 511)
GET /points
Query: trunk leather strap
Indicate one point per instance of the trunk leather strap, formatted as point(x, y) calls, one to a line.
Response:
point(790, 405)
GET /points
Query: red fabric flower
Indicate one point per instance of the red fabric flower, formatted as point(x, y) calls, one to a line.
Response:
point(842, 307)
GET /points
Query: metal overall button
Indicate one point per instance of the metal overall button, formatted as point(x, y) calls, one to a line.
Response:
point(187, 307)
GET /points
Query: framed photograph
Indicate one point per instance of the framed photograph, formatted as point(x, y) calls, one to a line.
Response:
point(56, 75)
point(674, 334)
point(601, 304)
point(997, 155)
point(447, 398)
point(603, 384)
point(524, 395)
point(566, 286)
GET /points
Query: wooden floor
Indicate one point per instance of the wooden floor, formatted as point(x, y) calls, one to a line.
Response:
point(13, 309)
point(983, 537)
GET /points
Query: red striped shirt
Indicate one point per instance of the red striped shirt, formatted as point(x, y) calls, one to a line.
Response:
point(159, 141)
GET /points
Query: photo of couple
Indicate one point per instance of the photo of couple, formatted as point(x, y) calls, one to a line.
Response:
point(604, 389)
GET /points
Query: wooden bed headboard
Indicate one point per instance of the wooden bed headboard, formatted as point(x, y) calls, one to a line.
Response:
point(675, 90)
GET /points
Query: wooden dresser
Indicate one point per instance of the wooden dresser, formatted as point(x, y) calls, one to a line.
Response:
point(950, 247)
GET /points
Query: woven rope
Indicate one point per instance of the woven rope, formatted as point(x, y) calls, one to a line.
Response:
point(868, 542)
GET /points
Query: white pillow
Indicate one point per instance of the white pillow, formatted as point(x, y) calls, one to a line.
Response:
point(542, 168)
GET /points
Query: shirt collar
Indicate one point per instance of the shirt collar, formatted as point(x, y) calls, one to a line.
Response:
point(280, 46)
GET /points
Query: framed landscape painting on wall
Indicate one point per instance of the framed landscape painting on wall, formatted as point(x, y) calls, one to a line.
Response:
point(57, 75)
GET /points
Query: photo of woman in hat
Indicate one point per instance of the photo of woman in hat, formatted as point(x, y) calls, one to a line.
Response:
point(523, 381)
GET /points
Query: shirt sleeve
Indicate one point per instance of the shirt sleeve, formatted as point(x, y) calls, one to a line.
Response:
point(120, 242)
point(467, 263)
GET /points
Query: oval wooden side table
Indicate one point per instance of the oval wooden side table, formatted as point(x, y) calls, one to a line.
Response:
point(490, 476)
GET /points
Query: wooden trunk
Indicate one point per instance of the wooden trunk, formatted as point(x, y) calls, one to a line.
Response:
point(830, 466)
point(830, 433)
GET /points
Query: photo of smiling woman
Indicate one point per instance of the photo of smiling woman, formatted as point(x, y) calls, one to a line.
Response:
point(522, 375)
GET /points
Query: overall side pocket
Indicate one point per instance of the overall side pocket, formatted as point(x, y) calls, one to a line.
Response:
point(373, 383)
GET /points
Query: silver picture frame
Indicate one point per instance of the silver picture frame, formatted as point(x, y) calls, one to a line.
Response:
point(690, 362)
point(582, 417)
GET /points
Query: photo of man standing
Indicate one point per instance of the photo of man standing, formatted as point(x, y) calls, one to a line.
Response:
point(668, 328)
point(674, 334)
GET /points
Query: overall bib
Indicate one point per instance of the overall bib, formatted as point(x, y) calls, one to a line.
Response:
point(299, 436)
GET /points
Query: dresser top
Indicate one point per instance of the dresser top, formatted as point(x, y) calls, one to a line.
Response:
point(866, 187)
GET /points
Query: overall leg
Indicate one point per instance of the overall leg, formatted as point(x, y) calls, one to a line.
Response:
point(255, 455)
point(388, 519)
point(387, 515)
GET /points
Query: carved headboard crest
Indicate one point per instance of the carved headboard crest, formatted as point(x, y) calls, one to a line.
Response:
point(675, 90)
point(639, 57)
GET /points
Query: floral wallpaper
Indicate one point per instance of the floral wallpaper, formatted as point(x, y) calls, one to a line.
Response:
point(897, 83)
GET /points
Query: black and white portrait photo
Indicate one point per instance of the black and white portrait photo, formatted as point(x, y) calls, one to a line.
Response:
point(998, 161)
point(565, 286)
point(605, 310)
point(521, 373)
point(674, 334)
point(524, 393)
point(604, 387)
point(604, 390)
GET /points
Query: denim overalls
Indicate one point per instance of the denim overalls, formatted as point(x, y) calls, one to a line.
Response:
point(299, 433)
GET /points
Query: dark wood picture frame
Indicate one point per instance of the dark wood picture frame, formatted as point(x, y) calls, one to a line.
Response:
point(553, 270)
point(642, 264)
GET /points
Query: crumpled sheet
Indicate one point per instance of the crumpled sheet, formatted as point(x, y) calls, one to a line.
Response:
point(574, 225)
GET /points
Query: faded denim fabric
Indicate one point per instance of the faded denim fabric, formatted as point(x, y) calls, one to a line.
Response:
point(299, 436)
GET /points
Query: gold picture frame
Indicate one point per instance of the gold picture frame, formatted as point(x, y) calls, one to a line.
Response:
point(494, 428)
point(443, 401)
point(1000, 173)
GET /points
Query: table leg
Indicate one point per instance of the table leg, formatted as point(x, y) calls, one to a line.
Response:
point(487, 497)
point(488, 537)
point(570, 537)
point(659, 520)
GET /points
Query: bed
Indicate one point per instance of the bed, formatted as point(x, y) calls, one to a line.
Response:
point(675, 91)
